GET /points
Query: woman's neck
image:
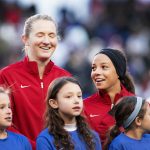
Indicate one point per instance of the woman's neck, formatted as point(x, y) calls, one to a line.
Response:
point(41, 69)
point(41, 65)
point(3, 134)
point(113, 91)
point(135, 134)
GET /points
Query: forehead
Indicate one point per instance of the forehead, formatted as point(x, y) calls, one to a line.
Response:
point(147, 107)
point(101, 58)
point(148, 100)
point(43, 26)
point(70, 87)
point(3, 98)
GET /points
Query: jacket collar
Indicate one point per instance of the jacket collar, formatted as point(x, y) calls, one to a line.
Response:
point(32, 67)
point(103, 96)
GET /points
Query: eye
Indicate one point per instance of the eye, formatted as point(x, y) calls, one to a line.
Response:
point(40, 35)
point(52, 35)
point(105, 67)
point(93, 68)
point(1, 107)
point(68, 96)
point(80, 96)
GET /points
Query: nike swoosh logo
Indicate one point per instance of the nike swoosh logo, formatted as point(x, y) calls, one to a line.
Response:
point(24, 86)
point(91, 115)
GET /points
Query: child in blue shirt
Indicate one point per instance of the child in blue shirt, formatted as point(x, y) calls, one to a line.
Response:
point(66, 128)
point(8, 139)
point(132, 115)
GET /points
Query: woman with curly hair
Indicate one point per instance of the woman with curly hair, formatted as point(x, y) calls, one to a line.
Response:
point(65, 126)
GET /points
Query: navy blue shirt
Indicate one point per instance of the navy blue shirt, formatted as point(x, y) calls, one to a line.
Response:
point(14, 141)
point(45, 141)
point(123, 142)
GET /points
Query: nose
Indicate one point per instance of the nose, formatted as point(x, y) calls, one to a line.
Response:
point(97, 71)
point(9, 111)
point(76, 100)
point(46, 40)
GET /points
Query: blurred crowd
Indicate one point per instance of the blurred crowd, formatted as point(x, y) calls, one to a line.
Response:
point(85, 26)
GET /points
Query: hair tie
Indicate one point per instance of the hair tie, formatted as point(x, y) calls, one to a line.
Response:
point(134, 114)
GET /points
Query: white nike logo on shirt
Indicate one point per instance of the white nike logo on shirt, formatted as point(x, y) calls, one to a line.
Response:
point(24, 86)
point(91, 115)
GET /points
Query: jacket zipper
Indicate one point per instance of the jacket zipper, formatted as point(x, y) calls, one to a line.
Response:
point(112, 105)
point(42, 85)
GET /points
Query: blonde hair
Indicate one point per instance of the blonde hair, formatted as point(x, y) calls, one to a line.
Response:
point(4, 90)
point(29, 22)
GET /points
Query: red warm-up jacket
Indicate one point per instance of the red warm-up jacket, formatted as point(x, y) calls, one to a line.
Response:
point(28, 94)
point(96, 108)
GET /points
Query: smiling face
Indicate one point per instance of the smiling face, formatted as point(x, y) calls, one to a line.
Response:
point(5, 111)
point(104, 74)
point(69, 102)
point(42, 40)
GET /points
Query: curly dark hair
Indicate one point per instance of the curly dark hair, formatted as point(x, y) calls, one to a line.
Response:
point(55, 123)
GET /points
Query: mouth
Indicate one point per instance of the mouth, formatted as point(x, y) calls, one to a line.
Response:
point(9, 119)
point(99, 80)
point(76, 108)
point(45, 48)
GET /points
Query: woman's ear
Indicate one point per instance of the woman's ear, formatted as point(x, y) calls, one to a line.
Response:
point(24, 40)
point(138, 121)
point(53, 103)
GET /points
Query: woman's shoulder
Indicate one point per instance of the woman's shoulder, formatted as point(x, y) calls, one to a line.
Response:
point(146, 135)
point(16, 135)
point(20, 139)
point(118, 140)
point(45, 140)
point(11, 67)
point(45, 133)
point(123, 139)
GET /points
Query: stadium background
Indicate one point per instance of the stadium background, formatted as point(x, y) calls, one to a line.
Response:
point(85, 26)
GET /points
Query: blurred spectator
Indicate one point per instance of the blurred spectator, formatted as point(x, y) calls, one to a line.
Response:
point(85, 26)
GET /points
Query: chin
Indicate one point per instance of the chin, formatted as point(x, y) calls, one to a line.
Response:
point(77, 114)
point(100, 88)
point(44, 58)
point(5, 126)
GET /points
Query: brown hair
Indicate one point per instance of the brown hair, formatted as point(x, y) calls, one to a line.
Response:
point(121, 112)
point(55, 123)
point(29, 22)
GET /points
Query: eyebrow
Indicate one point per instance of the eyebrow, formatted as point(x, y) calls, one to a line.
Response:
point(103, 63)
point(73, 92)
point(2, 104)
point(39, 33)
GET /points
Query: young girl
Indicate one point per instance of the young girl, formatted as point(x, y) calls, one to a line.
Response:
point(112, 81)
point(9, 140)
point(65, 126)
point(132, 115)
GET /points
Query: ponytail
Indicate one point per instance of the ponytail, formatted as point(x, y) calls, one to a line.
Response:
point(112, 133)
point(128, 82)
